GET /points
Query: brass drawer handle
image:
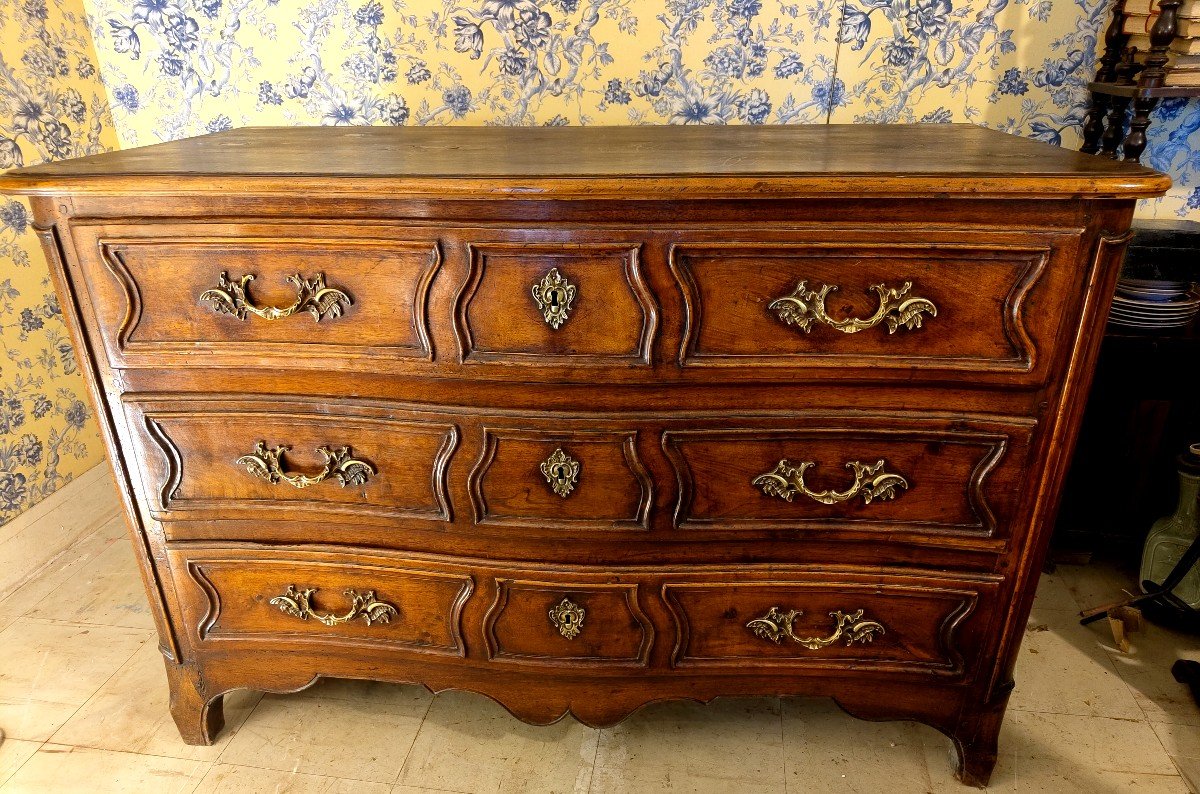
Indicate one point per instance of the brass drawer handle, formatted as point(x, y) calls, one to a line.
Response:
point(554, 295)
point(561, 472)
point(231, 297)
point(339, 464)
point(362, 605)
point(568, 617)
point(775, 625)
point(896, 309)
point(870, 482)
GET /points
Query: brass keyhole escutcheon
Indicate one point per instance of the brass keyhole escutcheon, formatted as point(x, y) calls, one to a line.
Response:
point(567, 617)
point(554, 295)
point(561, 472)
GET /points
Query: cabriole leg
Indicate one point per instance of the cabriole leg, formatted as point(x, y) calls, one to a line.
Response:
point(199, 717)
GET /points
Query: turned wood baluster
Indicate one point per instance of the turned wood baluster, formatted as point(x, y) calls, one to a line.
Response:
point(1114, 132)
point(1153, 76)
point(1114, 45)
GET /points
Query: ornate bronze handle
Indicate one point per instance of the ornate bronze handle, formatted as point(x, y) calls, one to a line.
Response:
point(362, 605)
point(896, 309)
point(870, 482)
point(231, 297)
point(561, 472)
point(775, 625)
point(339, 464)
point(554, 295)
point(567, 617)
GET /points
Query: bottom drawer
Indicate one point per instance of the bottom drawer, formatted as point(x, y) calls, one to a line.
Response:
point(742, 618)
point(317, 601)
point(845, 620)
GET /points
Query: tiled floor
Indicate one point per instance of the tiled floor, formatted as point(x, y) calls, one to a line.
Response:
point(83, 702)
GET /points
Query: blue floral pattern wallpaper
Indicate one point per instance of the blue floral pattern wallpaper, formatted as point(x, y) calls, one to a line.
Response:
point(174, 68)
point(52, 106)
point(183, 67)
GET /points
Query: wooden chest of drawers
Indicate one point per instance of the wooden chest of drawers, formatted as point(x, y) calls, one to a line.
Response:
point(584, 419)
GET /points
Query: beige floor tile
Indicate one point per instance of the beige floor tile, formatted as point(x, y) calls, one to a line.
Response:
point(1147, 671)
point(1182, 743)
point(110, 594)
point(731, 744)
point(14, 753)
point(36, 538)
point(71, 563)
point(1053, 593)
point(1062, 668)
point(1063, 752)
point(1098, 584)
point(131, 713)
point(48, 670)
point(33, 720)
point(62, 662)
point(469, 743)
point(362, 740)
point(828, 750)
point(230, 779)
point(66, 770)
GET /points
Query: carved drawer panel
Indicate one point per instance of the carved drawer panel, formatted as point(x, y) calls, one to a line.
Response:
point(867, 473)
point(571, 478)
point(194, 294)
point(576, 302)
point(230, 595)
point(265, 460)
point(830, 619)
point(959, 301)
point(567, 622)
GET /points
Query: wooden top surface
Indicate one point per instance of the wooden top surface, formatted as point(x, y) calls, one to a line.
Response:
point(620, 162)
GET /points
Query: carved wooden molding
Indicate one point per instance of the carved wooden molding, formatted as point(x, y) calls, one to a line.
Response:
point(139, 353)
point(993, 448)
point(504, 588)
point(563, 253)
point(174, 506)
point(208, 627)
point(1025, 354)
point(493, 436)
point(961, 604)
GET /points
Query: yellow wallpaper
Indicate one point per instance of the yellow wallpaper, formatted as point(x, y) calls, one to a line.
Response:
point(52, 106)
point(175, 68)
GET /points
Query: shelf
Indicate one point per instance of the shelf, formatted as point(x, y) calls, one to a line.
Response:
point(1135, 91)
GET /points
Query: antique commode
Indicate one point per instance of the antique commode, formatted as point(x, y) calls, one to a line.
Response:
point(583, 419)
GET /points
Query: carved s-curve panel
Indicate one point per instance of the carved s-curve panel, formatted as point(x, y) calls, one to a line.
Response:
point(521, 624)
point(203, 475)
point(980, 293)
point(923, 622)
point(576, 303)
point(146, 283)
point(610, 490)
point(423, 615)
point(958, 480)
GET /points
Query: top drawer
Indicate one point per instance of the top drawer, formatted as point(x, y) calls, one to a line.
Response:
point(569, 303)
point(207, 292)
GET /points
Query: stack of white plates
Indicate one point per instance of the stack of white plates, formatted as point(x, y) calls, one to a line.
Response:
point(1154, 303)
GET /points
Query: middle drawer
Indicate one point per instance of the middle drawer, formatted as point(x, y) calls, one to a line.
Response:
point(731, 477)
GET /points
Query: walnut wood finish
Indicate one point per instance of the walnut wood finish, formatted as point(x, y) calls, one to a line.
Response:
point(671, 384)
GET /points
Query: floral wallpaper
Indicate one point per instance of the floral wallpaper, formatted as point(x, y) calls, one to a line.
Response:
point(184, 67)
point(174, 68)
point(52, 106)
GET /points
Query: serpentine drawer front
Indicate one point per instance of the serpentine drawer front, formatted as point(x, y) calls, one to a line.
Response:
point(583, 419)
point(171, 293)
